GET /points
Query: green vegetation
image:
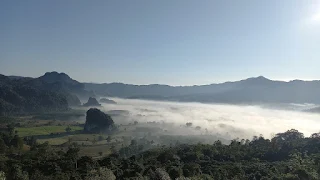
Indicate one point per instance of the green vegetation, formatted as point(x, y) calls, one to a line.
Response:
point(80, 139)
point(52, 92)
point(287, 156)
point(25, 95)
point(98, 122)
point(45, 130)
point(64, 115)
point(34, 149)
point(6, 120)
point(53, 141)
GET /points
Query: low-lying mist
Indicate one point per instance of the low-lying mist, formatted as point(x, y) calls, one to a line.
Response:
point(226, 121)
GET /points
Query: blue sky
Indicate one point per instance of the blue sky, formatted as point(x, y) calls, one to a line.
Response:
point(176, 42)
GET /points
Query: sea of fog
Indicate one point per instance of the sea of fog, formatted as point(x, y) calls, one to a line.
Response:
point(229, 121)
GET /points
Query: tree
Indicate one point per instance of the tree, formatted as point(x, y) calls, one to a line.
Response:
point(3, 146)
point(133, 142)
point(73, 154)
point(175, 172)
point(191, 169)
point(315, 135)
point(161, 174)
point(188, 124)
point(113, 148)
point(17, 142)
point(100, 138)
point(16, 172)
point(94, 141)
point(2, 175)
point(10, 129)
point(109, 139)
point(31, 141)
point(68, 129)
point(289, 135)
point(101, 174)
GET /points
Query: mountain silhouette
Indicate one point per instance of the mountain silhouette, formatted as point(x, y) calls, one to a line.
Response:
point(251, 90)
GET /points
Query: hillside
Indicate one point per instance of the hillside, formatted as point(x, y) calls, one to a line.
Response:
point(252, 90)
point(51, 92)
point(62, 82)
point(18, 96)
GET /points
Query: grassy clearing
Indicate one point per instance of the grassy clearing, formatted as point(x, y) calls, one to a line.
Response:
point(85, 137)
point(44, 130)
point(37, 123)
point(66, 115)
point(78, 138)
point(54, 141)
point(93, 151)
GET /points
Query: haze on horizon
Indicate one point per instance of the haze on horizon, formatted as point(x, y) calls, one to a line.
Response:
point(179, 42)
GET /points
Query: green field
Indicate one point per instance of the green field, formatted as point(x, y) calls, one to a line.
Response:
point(44, 130)
point(67, 115)
point(73, 138)
point(93, 151)
point(54, 141)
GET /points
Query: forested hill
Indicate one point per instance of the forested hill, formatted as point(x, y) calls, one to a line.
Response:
point(50, 92)
point(63, 83)
point(251, 90)
point(21, 95)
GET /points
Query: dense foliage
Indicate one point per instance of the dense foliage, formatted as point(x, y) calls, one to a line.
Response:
point(288, 155)
point(17, 96)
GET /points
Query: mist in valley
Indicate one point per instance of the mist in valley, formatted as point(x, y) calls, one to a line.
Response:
point(216, 120)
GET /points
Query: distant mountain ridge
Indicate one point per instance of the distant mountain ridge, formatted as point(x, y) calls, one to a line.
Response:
point(251, 90)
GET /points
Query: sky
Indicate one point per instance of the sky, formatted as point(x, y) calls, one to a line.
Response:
point(180, 42)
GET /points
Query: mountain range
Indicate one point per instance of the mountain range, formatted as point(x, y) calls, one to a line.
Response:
point(251, 90)
point(56, 91)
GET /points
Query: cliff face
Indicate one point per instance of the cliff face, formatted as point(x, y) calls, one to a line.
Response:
point(97, 121)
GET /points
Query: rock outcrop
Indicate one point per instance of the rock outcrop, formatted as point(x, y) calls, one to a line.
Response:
point(98, 122)
point(92, 102)
point(107, 101)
